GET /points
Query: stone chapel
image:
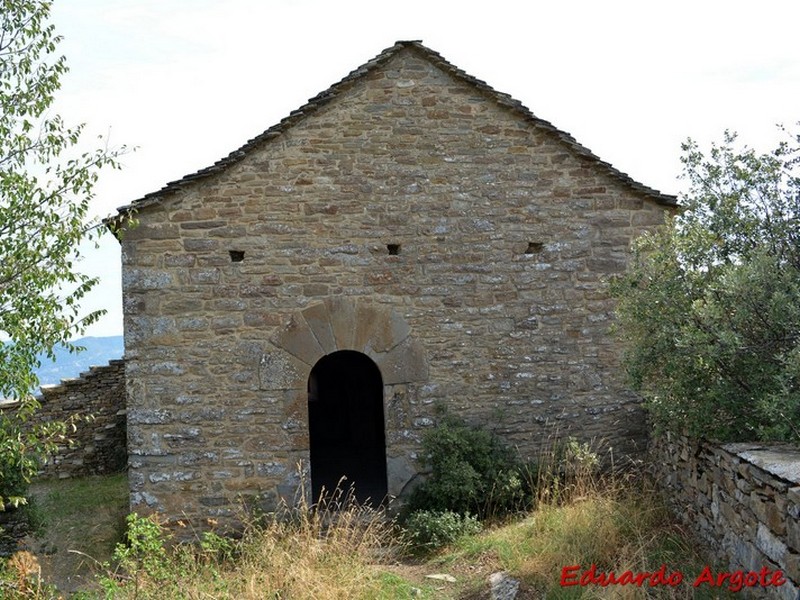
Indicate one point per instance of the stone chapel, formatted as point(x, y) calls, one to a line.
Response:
point(409, 239)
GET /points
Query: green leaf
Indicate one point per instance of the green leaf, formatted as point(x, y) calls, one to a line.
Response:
point(709, 310)
point(46, 185)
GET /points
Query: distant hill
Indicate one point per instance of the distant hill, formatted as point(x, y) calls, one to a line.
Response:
point(99, 350)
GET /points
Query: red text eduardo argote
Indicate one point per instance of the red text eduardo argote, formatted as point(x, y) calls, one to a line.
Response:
point(734, 581)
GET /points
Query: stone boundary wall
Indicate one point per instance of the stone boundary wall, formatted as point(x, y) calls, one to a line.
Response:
point(742, 500)
point(99, 444)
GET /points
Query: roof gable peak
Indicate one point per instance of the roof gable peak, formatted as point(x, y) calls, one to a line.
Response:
point(345, 83)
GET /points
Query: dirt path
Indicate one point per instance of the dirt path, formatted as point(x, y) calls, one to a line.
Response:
point(82, 520)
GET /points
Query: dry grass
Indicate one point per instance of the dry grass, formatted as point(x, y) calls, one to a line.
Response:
point(616, 523)
point(343, 550)
point(583, 515)
point(323, 553)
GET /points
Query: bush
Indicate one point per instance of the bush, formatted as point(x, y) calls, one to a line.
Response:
point(471, 472)
point(427, 530)
point(143, 558)
point(710, 306)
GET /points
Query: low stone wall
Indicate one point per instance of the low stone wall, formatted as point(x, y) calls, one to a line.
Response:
point(99, 444)
point(742, 500)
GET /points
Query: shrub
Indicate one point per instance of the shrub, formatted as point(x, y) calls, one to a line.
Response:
point(427, 530)
point(143, 559)
point(710, 306)
point(471, 472)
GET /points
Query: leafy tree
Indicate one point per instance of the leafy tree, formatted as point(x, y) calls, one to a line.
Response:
point(45, 189)
point(710, 308)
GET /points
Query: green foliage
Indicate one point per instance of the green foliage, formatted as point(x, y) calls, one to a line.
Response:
point(143, 558)
point(217, 548)
point(429, 530)
point(45, 189)
point(21, 447)
point(472, 471)
point(145, 551)
point(710, 308)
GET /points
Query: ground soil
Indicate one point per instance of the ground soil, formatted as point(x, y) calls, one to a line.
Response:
point(73, 541)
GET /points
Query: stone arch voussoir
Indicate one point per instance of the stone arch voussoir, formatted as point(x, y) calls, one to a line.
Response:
point(340, 323)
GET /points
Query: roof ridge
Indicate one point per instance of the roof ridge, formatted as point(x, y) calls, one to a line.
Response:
point(331, 92)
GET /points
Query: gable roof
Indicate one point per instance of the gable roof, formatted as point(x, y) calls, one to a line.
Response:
point(338, 88)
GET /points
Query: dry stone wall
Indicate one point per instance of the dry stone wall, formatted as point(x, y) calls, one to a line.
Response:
point(743, 500)
point(412, 198)
point(96, 403)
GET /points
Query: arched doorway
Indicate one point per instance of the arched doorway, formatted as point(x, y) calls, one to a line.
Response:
point(345, 422)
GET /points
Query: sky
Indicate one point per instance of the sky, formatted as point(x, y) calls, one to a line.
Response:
point(185, 82)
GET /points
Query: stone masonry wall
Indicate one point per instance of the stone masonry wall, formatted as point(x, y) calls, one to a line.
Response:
point(413, 218)
point(98, 444)
point(743, 500)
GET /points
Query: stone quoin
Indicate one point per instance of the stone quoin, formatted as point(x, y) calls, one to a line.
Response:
point(409, 238)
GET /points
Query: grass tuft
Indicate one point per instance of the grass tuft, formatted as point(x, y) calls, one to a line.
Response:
point(323, 552)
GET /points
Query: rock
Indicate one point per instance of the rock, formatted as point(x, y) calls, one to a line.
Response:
point(503, 586)
point(442, 577)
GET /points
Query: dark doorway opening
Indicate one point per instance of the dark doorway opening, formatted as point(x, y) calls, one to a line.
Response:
point(345, 422)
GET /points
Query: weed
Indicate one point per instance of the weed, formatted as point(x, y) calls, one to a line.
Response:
point(217, 548)
point(338, 549)
point(143, 558)
point(430, 530)
point(300, 552)
point(21, 579)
